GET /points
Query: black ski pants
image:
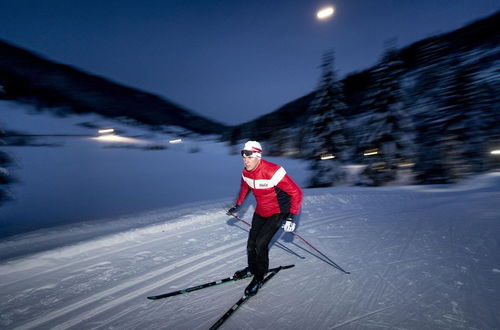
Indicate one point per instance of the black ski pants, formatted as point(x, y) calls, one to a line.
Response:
point(262, 232)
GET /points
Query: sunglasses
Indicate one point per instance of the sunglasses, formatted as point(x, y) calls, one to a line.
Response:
point(246, 153)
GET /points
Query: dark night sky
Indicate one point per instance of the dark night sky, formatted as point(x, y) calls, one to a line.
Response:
point(229, 60)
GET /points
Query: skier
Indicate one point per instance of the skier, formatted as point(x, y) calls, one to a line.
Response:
point(278, 199)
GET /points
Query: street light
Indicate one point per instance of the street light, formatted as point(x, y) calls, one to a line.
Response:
point(327, 156)
point(106, 131)
point(371, 152)
point(112, 138)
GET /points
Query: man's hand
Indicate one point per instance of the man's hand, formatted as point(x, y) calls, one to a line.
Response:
point(289, 225)
point(233, 210)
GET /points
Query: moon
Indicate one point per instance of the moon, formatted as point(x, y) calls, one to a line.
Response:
point(325, 12)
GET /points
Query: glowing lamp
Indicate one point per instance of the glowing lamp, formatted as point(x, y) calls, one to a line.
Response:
point(371, 152)
point(106, 131)
point(327, 156)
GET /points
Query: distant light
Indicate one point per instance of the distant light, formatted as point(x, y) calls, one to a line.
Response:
point(175, 141)
point(406, 165)
point(327, 156)
point(495, 152)
point(106, 131)
point(371, 152)
point(117, 139)
point(325, 13)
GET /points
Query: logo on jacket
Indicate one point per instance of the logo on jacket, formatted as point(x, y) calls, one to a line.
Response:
point(263, 185)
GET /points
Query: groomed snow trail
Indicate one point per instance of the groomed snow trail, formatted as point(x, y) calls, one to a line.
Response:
point(419, 259)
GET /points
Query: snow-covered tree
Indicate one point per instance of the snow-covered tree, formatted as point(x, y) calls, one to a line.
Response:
point(326, 134)
point(452, 134)
point(388, 130)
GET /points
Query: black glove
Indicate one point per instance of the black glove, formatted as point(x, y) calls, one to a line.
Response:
point(233, 210)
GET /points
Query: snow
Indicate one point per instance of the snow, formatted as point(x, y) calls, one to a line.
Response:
point(420, 257)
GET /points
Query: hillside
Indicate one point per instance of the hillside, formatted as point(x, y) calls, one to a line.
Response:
point(475, 38)
point(28, 78)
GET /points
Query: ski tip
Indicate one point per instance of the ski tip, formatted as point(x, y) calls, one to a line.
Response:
point(287, 266)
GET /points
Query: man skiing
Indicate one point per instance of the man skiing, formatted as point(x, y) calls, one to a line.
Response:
point(278, 199)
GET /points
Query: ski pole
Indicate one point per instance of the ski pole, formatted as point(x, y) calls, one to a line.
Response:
point(277, 243)
point(237, 217)
point(322, 254)
point(309, 244)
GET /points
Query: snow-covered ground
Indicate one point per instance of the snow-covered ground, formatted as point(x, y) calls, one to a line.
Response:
point(425, 257)
point(418, 260)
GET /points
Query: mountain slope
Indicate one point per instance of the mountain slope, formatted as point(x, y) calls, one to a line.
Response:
point(29, 78)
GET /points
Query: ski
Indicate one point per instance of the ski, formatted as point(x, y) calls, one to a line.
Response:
point(209, 284)
point(245, 298)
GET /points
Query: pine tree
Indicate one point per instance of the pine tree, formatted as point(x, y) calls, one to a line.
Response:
point(387, 141)
point(429, 167)
point(453, 135)
point(326, 135)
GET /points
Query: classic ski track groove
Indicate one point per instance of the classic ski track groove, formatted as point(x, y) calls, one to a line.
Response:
point(97, 256)
point(140, 292)
point(132, 282)
point(130, 309)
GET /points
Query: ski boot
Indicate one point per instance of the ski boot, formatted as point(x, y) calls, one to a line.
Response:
point(241, 273)
point(254, 286)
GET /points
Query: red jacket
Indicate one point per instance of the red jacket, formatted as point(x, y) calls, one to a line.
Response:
point(274, 191)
